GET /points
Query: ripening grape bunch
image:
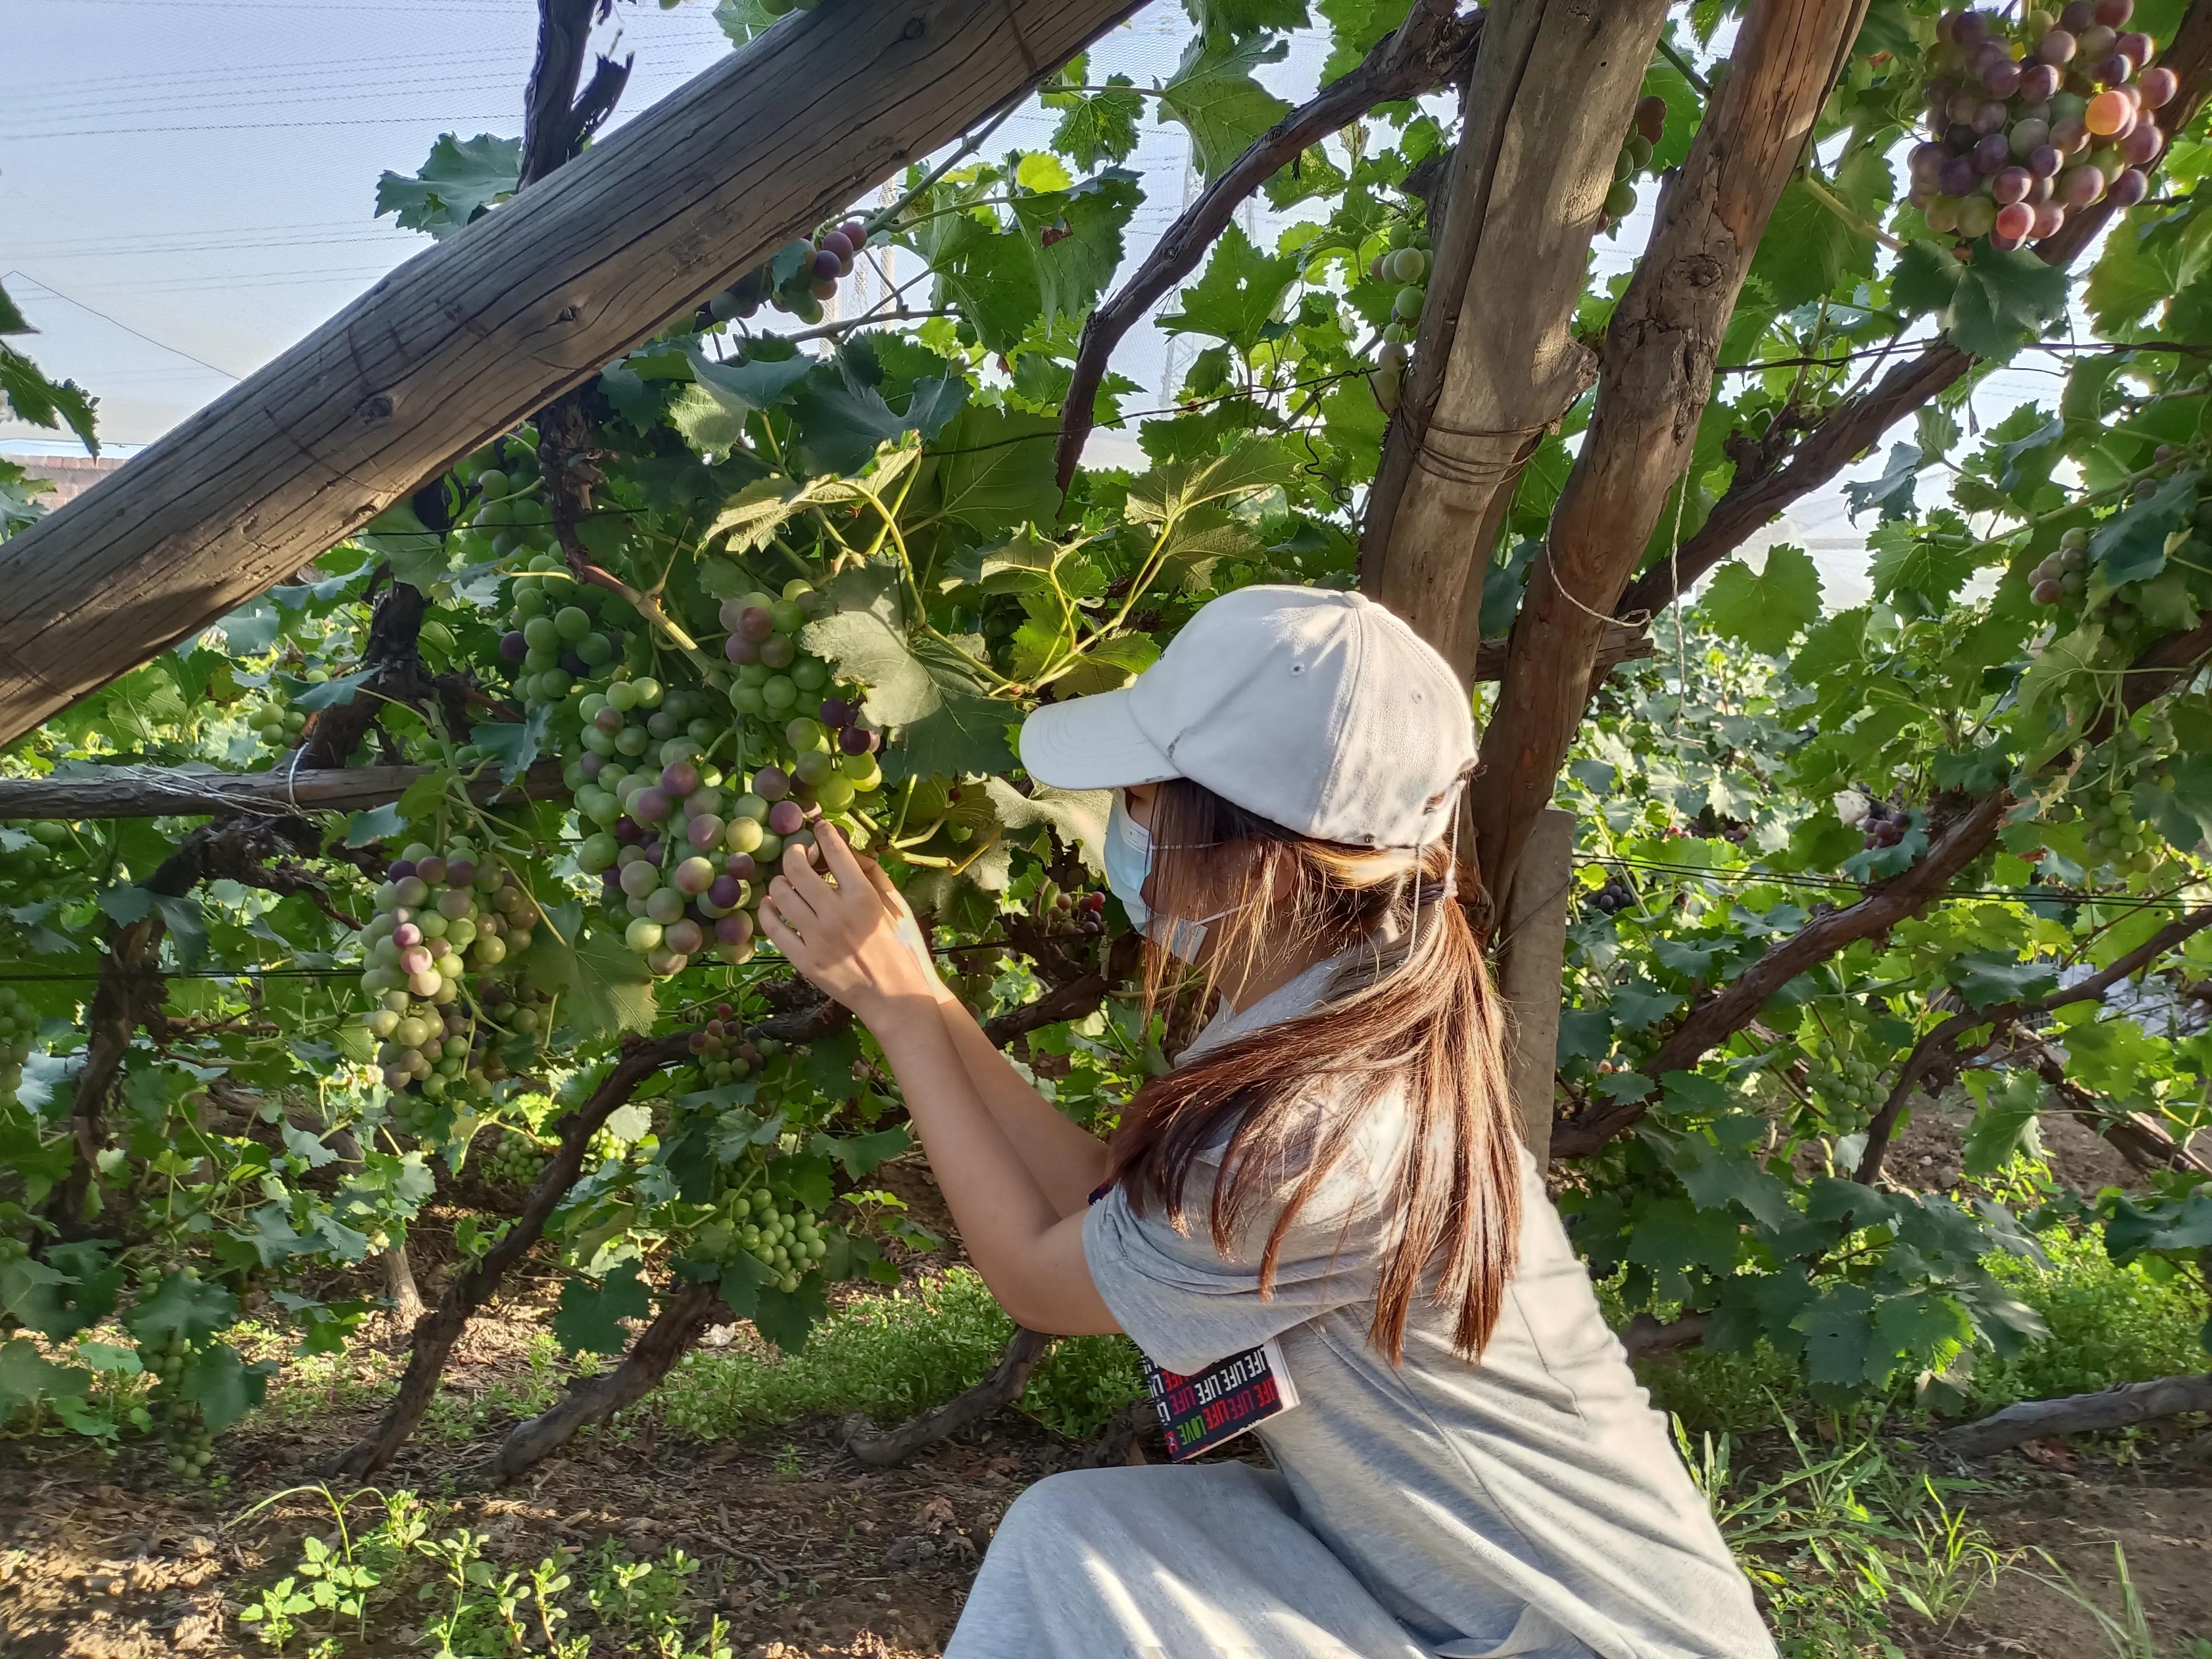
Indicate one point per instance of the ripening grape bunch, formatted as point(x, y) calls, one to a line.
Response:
point(2065, 580)
point(275, 721)
point(1614, 897)
point(1060, 912)
point(783, 1235)
point(1403, 265)
point(168, 1361)
point(723, 1053)
point(1884, 825)
point(815, 263)
point(1644, 131)
point(2033, 120)
point(2104, 788)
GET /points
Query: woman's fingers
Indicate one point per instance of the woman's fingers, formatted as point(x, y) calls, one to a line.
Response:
point(806, 881)
point(779, 932)
point(838, 854)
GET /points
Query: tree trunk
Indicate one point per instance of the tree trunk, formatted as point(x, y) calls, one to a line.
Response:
point(399, 1287)
point(592, 1400)
point(467, 338)
point(1554, 86)
point(1660, 349)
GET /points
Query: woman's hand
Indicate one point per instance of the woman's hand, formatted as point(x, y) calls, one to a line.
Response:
point(857, 940)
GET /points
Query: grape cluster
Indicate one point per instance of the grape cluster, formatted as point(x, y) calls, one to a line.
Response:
point(511, 513)
point(1853, 1083)
point(1060, 912)
point(2104, 788)
point(557, 638)
point(783, 1237)
point(724, 1052)
point(2061, 576)
point(2033, 120)
point(1649, 125)
point(1884, 825)
point(1404, 265)
point(274, 721)
point(515, 1157)
point(439, 915)
point(191, 1447)
point(19, 1025)
point(815, 266)
point(1614, 897)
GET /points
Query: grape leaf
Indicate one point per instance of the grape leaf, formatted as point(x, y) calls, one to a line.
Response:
point(1074, 269)
point(1213, 96)
point(2004, 1123)
point(12, 321)
point(1892, 491)
point(787, 1318)
point(2148, 256)
point(1809, 248)
point(861, 1155)
point(1917, 1328)
point(27, 1377)
point(1766, 610)
point(604, 987)
point(2130, 545)
point(1238, 296)
point(1926, 279)
point(463, 178)
point(1905, 563)
point(2004, 301)
point(1841, 1347)
point(589, 1320)
point(1672, 1234)
point(224, 1386)
point(1356, 27)
point(514, 744)
point(994, 469)
point(742, 1278)
point(1236, 18)
point(1097, 126)
point(929, 697)
point(1719, 1166)
point(42, 402)
point(190, 1306)
point(1077, 816)
point(1986, 978)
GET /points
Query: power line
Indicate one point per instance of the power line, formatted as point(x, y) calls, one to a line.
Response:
point(125, 326)
point(265, 126)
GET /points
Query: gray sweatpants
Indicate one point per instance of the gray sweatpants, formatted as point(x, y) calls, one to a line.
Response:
point(1207, 1561)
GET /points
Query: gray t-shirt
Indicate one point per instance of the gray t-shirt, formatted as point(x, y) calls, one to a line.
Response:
point(1530, 1503)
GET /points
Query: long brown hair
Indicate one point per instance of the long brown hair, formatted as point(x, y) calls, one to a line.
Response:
point(1411, 1011)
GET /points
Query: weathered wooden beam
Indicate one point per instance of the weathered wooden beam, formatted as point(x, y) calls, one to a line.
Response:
point(1555, 84)
point(164, 791)
point(466, 339)
point(1656, 376)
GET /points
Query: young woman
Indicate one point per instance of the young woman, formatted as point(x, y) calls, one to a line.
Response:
point(1330, 1176)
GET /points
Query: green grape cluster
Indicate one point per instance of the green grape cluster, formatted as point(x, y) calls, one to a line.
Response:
point(273, 718)
point(781, 1235)
point(1852, 1082)
point(511, 514)
point(33, 871)
point(516, 1156)
point(191, 1447)
point(2066, 579)
point(2103, 791)
point(1404, 265)
point(19, 1025)
point(1649, 125)
point(559, 639)
point(438, 916)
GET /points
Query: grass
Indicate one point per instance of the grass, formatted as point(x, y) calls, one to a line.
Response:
point(893, 1356)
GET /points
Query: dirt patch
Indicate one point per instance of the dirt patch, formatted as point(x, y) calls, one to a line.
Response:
point(1929, 1154)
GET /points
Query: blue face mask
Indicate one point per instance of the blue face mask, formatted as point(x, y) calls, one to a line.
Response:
point(1128, 862)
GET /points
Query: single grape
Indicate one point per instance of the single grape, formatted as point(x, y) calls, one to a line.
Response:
point(1651, 116)
point(2159, 86)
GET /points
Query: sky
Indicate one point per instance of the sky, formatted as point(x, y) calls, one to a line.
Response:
point(186, 186)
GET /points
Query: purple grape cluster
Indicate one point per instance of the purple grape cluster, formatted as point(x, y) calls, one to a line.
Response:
point(2033, 121)
point(1884, 825)
point(814, 276)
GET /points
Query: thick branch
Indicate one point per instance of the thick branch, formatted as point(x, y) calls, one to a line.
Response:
point(1941, 1042)
point(1000, 1389)
point(670, 1336)
point(1657, 378)
point(473, 1285)
point(1426, 51)
point(2078, 1414)
point(549, 137)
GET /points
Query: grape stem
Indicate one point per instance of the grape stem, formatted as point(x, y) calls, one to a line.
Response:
point(967, 147)
point(1688, 69)
point(1827, 198)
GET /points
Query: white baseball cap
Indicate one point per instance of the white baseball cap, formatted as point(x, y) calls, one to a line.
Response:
point(1319, 711)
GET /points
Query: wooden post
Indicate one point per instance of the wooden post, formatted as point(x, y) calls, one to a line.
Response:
point(465, 340)
point(1531, 964)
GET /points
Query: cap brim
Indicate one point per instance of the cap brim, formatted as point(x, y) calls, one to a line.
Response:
point(1092, 743)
